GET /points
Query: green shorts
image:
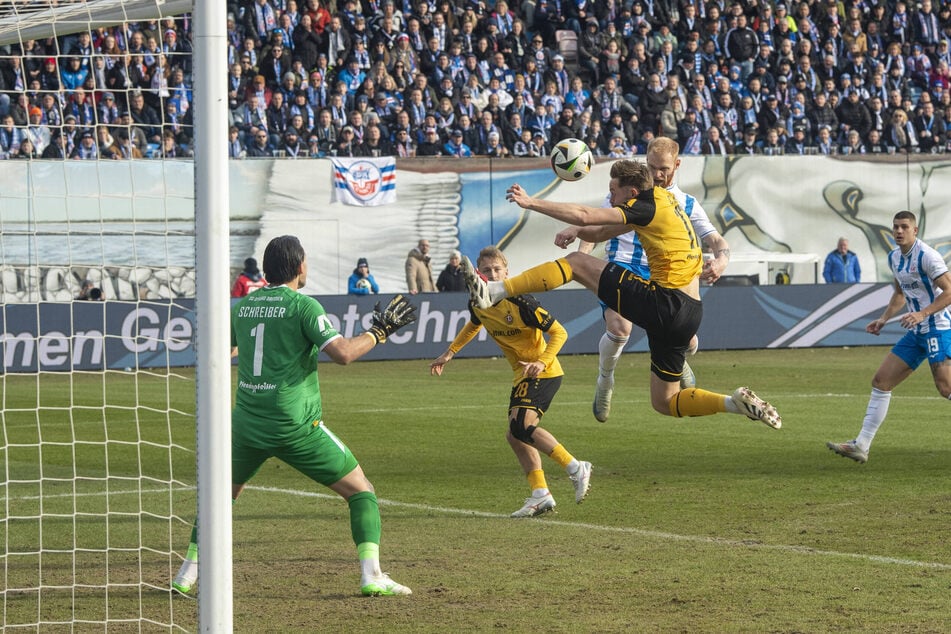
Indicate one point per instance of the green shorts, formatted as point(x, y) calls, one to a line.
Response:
point(320, 456)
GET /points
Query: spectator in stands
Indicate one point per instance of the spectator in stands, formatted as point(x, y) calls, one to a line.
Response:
point(797, 144)
point(929, 128)
point(260, 146)
point(124, 148)
point(842, 265)
point(748, 144)
point(455, 147)
point(57, 147)
point(86, 149)
point(249, 280)
point(10, 137)
point(346, 144)
point(451, 279)
point(900, 134)
point(146, 117)
point(419, 269)
point(361, 281)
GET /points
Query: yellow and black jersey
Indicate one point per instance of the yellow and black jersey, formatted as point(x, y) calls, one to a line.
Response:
point(673, 251)
point(516, 324)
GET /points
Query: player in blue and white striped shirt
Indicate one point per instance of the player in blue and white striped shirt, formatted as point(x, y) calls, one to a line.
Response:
point(923, 287)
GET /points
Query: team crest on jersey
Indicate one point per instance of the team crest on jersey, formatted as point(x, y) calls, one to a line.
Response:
point(508, 318)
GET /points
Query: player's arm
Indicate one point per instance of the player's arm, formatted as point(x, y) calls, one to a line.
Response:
point(345, 350)
point(557, 336)
point(588, 236)
point(570, 213)
point(941, 302)
point(713, 269)
point(895, 304)
point(464, 336)
point(397, 313)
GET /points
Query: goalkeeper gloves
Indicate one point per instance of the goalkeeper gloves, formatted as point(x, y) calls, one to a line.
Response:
point(398, 313)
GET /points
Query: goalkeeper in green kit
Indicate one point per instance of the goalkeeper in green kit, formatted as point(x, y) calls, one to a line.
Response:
point(279, 333)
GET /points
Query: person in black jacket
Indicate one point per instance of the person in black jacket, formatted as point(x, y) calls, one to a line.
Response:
point(451, 279)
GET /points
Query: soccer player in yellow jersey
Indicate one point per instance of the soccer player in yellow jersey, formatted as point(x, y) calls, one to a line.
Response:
point(667, 305)
point(517, 325)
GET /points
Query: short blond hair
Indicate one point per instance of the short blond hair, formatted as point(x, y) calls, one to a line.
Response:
point(494, 253)
point(630, 173)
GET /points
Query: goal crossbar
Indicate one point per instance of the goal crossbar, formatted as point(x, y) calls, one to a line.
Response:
point(32, 23)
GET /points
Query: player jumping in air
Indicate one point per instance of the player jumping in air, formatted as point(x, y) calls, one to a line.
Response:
point(667, 306)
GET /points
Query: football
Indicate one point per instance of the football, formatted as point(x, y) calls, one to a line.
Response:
point(363, 283)
point(571, 159)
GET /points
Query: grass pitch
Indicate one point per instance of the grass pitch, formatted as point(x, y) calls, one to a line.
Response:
point(714, 524)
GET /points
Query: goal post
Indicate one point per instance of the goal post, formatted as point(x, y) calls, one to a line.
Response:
point(101, 425)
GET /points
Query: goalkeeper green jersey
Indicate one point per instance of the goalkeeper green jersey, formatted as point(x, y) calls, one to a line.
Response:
point(279, 333)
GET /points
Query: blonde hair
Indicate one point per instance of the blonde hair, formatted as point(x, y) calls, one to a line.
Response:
point(492, 252)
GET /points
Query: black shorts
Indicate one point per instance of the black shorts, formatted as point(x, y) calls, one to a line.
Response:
point(670, 317)
point(536, 394)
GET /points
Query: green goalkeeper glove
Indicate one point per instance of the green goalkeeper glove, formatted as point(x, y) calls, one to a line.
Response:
point(398, 313)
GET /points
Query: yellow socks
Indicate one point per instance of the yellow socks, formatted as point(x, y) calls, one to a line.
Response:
point(697, 402)
point(537, 279)
point(536, 480)
point(560, 455)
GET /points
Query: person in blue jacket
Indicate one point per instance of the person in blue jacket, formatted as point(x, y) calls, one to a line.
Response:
point(842, 265)
point(361, 282)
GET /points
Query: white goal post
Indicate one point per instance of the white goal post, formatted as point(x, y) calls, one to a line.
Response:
point(98, 454)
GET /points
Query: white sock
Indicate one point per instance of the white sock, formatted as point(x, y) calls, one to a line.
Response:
point(732, 407)
point(573, 466)
point(496, 291)
point(874, 417)
point(369, 570)
point(610, 348)
point(539, 493)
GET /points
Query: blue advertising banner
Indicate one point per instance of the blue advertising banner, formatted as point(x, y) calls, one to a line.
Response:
point(118, 335)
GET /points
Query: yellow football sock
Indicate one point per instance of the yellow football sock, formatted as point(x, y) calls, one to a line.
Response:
point(697, 402)
point(536, 480)
point(560, 455)
point(537, 279)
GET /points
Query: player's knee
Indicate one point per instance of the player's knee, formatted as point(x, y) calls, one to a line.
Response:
point(661, 404)
point(520, 430)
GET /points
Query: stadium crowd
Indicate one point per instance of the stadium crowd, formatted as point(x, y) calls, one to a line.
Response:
point(314, 78)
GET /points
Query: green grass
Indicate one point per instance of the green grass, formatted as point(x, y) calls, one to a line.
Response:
point(714, 524)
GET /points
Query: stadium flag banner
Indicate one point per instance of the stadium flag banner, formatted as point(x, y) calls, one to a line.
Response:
point(365, 182)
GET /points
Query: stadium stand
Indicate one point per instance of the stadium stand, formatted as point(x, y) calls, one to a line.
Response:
point(809, 77)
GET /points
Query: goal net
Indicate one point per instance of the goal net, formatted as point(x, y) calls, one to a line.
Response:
point(97, 305)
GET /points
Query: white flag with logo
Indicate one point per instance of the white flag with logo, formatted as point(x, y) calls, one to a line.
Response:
point(365, 182)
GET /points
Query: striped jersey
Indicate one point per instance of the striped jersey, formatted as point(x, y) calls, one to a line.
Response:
point(626, 249)
point(915, 272)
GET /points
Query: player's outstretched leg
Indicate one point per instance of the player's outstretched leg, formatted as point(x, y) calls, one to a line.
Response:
point(536, 505)
point(849, 449)
point(756, 408)
point(476, 284)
